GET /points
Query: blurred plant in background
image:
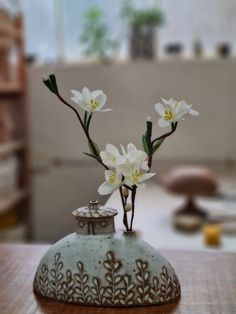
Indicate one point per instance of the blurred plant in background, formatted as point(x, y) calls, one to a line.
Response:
point(95, 36)
point(142, 24)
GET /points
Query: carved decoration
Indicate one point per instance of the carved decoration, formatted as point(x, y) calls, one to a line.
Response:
point(120, 289)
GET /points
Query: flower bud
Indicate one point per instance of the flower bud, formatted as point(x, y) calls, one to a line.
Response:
point(128, 207)
point(125, 191)
point(51, 83)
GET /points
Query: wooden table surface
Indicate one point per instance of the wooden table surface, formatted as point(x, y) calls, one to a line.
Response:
point(208, 283)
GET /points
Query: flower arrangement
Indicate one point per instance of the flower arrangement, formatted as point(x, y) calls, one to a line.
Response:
point(125, 169)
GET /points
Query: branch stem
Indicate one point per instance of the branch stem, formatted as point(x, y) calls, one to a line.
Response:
point(83, 127)
point(150, 153)
point(133, 194)
point(125, 218)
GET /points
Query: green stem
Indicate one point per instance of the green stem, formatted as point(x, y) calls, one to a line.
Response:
point(83, 127)
point(85, 118)
point(89, 120)
point(133, 194)
point(173, 129)
point(125, 219)
point(150, 153)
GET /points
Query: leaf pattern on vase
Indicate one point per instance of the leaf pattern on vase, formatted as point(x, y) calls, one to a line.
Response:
point(56, 278)
point(143, 278)
point(155, 290)
point(176, 287)
point(128, 291)
point(98, 292)
point(68, 287)
point(121, 289)
point(166, 286)
point(112, 278)
point(44, 281)
point(82, 289)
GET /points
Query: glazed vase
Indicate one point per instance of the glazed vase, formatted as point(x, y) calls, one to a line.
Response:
point(100, 267)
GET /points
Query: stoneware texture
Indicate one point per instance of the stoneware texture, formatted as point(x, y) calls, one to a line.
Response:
point(110, 269)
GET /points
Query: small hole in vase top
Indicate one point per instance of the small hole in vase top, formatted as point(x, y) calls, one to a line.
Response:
point(133, 234)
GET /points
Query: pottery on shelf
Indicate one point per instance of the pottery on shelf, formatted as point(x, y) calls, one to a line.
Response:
point(191, 181)
point(97, 266)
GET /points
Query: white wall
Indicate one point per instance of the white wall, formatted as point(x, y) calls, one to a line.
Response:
point(132, 90)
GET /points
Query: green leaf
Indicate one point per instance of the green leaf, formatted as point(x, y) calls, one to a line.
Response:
point(94, 149)
point(90, 155)
point(145, 144)
point(157, 145)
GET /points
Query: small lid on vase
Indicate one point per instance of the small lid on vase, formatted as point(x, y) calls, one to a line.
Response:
point(95, 219)
point(94, 211)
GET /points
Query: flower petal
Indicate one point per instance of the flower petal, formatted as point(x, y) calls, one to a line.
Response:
point(163, 123)
point(194, 112)
point(75, 99)
point(147, 176)
point(87, 97)
point(104, 110)
point(160, 109)
point(97, 92)
point(101, 99)
point(123, 149)
point(112, 149)
point(125, 169)
point(144, 165)
point(84, 106)
point(172, 103)
point(165, 101)
point(105, 188)
point(108, 173)
point(77, 94)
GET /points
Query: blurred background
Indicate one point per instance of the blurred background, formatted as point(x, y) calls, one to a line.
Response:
point(136, 52)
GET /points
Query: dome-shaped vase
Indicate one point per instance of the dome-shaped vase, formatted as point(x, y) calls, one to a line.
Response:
point(97, 266)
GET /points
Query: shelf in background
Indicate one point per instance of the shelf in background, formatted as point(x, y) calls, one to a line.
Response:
point(12, 200)
point(15, 234)
point(10, 88)
point(11, 147)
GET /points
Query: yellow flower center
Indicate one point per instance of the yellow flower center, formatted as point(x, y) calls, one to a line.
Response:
point(136, 176)
point(169, 115)
point(112, 178)
point(94, 104)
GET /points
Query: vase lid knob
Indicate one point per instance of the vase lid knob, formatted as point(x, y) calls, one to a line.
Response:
point(94, 210)
point(93, 205)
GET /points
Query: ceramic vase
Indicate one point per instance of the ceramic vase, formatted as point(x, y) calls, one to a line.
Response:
point(100, 267)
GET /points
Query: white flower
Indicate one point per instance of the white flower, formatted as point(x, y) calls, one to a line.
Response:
point(90, 100)
point(172, 111)
point(113, 181)
point(130, 168)
point(135, 156)
point(134, 175)
point(111, 156)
